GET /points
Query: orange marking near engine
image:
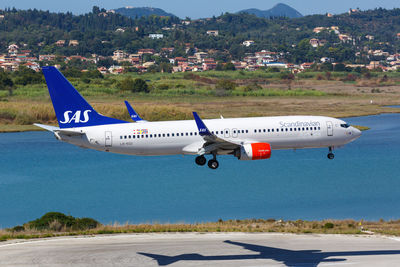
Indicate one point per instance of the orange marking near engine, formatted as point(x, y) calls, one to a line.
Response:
point(261, 151)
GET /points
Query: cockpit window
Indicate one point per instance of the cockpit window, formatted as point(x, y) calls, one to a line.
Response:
point(345, 125)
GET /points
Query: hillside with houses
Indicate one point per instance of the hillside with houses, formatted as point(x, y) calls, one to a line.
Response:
point(112, 43)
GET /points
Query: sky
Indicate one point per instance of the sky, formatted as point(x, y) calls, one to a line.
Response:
point(201, 8)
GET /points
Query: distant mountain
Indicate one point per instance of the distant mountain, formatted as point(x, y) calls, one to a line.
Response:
point(134, 12)
point(280, 10)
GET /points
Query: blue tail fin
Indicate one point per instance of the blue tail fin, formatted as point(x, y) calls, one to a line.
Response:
point(134, 116)
point(71, 108)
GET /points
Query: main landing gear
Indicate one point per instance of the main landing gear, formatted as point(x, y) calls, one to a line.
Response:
point(330, 154)
point(212, 163)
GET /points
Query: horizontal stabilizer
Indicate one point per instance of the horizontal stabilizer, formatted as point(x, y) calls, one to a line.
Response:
point(47, 127)
point(57, 130)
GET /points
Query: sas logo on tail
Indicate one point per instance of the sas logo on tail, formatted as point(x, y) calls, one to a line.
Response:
point(76, 117)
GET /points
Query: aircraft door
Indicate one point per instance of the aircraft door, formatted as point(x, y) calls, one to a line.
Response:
point(329, 127)
point(108, 139)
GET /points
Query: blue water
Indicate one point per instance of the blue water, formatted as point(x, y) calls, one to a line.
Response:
point(40, 174)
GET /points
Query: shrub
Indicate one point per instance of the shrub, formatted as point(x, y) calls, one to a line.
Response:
point(163, 86)
point(229, 66)
point(85, 223)
point(329, 225)
point(223, 87)
point(58, 221)
point(46, 220)
point(252, 87)
point(137, 85)
point(140, 85)
point(17, 228)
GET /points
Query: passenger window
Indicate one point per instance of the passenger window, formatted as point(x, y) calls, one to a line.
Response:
point(216, 132)
point(147, 136)
point(264, 130)
point(303, 128)
point(173, 135)
point(125, 136)
point(272, 130)
point(319, 128)
point(191, 133)
point(120, 137)
point(151, 136)
point(247, 131)
point(163, 135)
point(269, 130)
point(188, 134)
point(255, 130)
point(168, 135)
point(133, 136)
point(286, 129)
point(195, 133)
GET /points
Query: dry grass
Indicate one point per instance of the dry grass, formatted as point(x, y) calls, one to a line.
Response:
point(250, 226)
point(365, 97)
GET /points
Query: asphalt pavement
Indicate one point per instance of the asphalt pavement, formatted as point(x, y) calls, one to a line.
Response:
point(197, 249)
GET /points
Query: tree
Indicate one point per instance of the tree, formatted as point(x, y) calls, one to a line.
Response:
point(229, 66)
point(136, 86)
point(6, 83)
point(219, 66)
point(340, 67)
point(140, 85)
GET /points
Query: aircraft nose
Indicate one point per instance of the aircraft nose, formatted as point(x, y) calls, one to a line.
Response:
point(356, 133)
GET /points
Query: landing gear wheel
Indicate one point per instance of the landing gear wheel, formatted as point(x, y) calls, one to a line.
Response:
point(201, 160)
point(213, 164)
point(331, 156)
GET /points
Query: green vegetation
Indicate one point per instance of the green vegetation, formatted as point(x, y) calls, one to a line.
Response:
point(57, 224)
point(96, 33)
point(172, 96)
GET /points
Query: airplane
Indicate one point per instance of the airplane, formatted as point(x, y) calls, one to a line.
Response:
point(245, 138)
point(289, 258)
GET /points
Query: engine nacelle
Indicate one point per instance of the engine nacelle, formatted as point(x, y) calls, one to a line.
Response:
point(255, 151)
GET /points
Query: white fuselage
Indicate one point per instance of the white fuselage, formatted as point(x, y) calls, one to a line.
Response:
point(182, 137)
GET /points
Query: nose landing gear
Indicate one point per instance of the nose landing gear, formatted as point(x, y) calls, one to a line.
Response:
point(330, 154)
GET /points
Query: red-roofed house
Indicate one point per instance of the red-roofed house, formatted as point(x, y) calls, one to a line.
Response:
point(147, 51)
point(209, 65)
point(33, 66)
point(306, 66)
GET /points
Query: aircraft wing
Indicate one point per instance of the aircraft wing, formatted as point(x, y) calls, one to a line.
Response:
point(133, 114)
point(213, 143)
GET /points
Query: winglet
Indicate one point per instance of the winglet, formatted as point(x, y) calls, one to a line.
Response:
point(132, 113)
point(203, 130)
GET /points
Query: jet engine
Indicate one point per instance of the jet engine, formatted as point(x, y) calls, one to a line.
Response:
point(254, 151)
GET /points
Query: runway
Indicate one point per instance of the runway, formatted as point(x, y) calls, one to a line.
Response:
point(196, 249)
